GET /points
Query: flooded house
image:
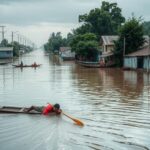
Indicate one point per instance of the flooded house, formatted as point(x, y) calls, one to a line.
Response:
point(107, 43)
point(66, 53)
point(139, 59)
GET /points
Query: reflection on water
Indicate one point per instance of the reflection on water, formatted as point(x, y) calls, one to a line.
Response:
point(114, 105)
point(5, 61)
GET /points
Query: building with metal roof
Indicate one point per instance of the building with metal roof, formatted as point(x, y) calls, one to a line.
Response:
point(6, 52)
point(138, 59)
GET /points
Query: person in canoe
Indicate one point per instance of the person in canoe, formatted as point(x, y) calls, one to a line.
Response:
point(21, 64)
point(34, 64)
point(45, 110)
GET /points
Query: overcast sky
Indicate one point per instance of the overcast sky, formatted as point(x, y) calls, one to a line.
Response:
point(37, 19)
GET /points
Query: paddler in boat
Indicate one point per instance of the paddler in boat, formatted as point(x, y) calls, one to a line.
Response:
point(34, 64)
point(21, 64)
point(45, 110)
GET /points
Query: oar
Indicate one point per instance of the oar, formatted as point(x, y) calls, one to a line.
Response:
point(77, 121)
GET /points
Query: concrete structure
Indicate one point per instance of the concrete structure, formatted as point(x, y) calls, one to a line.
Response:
point(6, 52)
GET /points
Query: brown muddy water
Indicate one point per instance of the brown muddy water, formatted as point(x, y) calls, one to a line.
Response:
point(114, 105)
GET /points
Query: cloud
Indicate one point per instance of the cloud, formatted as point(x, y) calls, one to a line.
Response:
point(39, 18)
point(37, 11)
point(27, 12)
point(38, 33)
point(138, 7)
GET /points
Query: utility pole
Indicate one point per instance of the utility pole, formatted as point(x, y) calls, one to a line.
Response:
point(3, 32)
point(12, 36)
point(18, 38)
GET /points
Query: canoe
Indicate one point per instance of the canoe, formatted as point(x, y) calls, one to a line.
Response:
point(19, 110)
point(34, 66)
point(95, 64)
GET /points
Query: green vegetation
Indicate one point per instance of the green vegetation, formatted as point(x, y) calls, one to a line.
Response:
point(85, 46)
point(146, 26)
point(55, 41)
point(106, 20)
point(84, 40)
point(16, 47)
point(4, 43)
point(130, 39)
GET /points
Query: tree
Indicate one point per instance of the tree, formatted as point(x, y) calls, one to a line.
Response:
point(105, 20)
point(146, 26)
point(131, 34)
point(85, 46)
point(69, 39)
point(55, 41)
point(16, 48)
point(4, 42)
point(85, 28)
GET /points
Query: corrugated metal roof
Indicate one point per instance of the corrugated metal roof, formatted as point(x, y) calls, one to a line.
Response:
point(109, 40)
point(6, 48)
point(143, 52)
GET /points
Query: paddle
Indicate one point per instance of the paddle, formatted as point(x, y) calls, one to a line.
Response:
point(77, 121)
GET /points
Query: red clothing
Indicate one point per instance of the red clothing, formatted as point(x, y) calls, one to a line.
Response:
point(47, 109)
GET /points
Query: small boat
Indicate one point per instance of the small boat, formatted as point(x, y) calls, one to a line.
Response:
point(33, 65)
point(89, 64)
point(19, 110)
point(95, 64)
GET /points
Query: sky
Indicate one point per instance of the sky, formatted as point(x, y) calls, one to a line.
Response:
point(37, 19)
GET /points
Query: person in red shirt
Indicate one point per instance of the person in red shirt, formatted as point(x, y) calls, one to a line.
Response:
point(45, 110)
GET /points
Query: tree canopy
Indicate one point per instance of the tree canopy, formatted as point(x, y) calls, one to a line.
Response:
point(85, 46)
point(55, 41)
point(146, 26)
point(130, 38)
point(4, 42)
point(104, 20)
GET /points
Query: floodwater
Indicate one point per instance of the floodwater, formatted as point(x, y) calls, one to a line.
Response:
point(114, 105)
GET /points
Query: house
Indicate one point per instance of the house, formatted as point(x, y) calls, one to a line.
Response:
point(66, 53)
point(138, 59)
point(107, 43)
point(6, 52)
